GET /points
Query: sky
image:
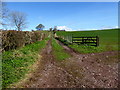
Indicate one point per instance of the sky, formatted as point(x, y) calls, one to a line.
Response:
point(69, 15)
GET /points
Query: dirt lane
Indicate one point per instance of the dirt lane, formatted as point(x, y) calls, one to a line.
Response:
point(50, 74)
point(98, 70)
point(79, 71)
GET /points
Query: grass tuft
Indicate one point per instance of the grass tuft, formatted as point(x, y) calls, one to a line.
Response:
point(58, 51)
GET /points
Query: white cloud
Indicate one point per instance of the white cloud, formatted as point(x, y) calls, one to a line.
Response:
point(110, 27)
point(69, 29)
point(64, 28)
point(116, 27)
point(86, 29)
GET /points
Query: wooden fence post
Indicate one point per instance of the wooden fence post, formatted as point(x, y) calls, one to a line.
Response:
point(72, 39)
point(97, 41)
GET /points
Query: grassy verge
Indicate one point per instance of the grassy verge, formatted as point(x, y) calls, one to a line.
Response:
point(87, 49)
point(92, 49)
point(58, 51)
point(15, 63)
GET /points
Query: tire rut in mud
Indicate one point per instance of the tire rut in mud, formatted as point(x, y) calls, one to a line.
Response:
point(95, 70)
point(49, 73)
point(78, 71)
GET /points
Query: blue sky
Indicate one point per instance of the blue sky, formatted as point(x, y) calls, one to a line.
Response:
point(69, 15)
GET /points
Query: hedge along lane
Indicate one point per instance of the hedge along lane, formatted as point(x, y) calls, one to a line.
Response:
point(16, 63)
point(15, 39)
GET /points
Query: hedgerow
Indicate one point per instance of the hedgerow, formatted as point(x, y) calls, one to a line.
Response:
point(14, 39)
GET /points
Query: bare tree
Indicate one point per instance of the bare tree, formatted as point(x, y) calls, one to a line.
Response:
point(4, 12)
point(18, 19)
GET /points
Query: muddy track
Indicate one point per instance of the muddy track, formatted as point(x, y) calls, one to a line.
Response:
point(98, 70)
point(78, 71)
point(50, 74)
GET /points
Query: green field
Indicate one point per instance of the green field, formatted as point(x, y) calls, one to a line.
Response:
point(108, 40)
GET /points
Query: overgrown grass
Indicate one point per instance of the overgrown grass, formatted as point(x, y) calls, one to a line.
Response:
point(15, 63)
point(108, 40)
point(58, 51)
